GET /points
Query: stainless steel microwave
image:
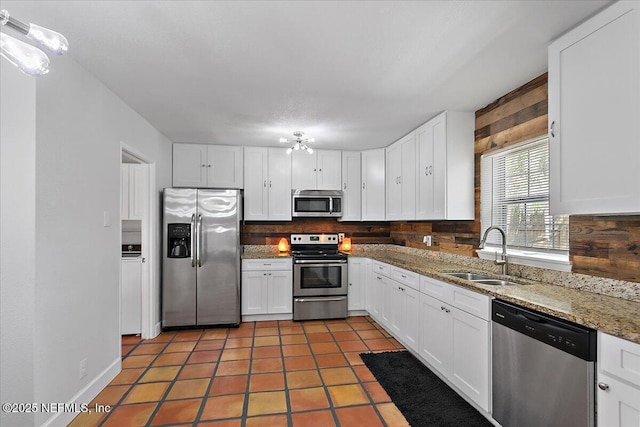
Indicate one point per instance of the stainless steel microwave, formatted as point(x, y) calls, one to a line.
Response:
point(316, 203)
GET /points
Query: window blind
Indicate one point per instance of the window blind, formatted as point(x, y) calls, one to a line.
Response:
point(515, 197)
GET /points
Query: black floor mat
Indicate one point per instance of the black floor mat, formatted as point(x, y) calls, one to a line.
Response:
point(422, 397)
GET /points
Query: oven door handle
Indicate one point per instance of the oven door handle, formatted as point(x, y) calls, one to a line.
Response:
point(317, 299)
point(328, 262)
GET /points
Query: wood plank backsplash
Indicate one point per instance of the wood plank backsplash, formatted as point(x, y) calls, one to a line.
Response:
point(604, 247)
point(270, 232)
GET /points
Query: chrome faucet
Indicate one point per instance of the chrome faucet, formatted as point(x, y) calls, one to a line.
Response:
point(503, 262)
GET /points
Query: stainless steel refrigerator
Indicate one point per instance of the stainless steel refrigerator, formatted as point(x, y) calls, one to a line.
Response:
point(201, 257)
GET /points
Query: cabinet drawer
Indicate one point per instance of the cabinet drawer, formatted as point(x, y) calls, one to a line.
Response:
point(405, 277)
point(619, 358)
point(472, 302)
point(437, 289)
point(381, 268)
point(266, 264)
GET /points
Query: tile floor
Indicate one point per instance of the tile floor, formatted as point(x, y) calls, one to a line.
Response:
point(276, 373)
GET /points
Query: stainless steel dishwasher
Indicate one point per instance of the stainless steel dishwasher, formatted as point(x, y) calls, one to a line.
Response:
point(543, 369)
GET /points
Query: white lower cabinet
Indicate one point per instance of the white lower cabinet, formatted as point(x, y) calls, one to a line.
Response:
point(131, 297)
point(618, 383)
point(357, 273)
point(455, 337)
point(267, 287)
point(447, 326)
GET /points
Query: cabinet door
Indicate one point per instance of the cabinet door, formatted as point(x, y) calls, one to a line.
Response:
point(224, 166)
point(408, 177)
point(304, 170)
point(393, 189)
point(618, 403)
point(594, 105)
point(396, 314)
point(425, 186)
point(280, 298)
point(124, 191)
point(375, 296)
point(411, 333)
point(254, 292)
point(131, 298)
point(373, 185)
point(279, 185)
point(190, 165)
point(329, 165)
point(469, 369)
point(356, 275)
point(351, 179)
point(431, 140)
point(435, 333)
point(137, 191)
point(256, 194)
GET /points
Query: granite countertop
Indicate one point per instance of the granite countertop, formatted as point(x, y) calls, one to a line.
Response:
point(262, 252)
point(615, 316)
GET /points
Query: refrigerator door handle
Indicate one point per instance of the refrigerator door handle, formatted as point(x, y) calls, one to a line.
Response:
point(199, 238)
point(193, 241)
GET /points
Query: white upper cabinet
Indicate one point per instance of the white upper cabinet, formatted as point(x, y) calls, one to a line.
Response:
point(594, 115)
point(373, 187)
point(133, 191)
point(351, 180)
point(267, 177)
point(207, 166)
point(320, 170)
point(401, 179)
point(445, 167)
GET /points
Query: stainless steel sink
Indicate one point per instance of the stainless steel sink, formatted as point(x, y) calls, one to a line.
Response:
point(469, 276)
point(481, 278)
point(497, 282)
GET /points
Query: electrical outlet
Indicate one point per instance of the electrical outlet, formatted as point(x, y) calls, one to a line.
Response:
point(84, 365)
point(340, 237)
point(426, 240)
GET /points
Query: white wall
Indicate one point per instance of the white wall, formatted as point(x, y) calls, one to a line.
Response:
point(17, 240)
point(80, 125)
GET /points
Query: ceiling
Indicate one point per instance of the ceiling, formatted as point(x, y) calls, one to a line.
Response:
point(351, 74)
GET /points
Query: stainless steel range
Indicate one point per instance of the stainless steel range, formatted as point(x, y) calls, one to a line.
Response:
point(320, 280)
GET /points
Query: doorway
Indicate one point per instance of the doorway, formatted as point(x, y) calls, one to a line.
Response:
point(138, 223)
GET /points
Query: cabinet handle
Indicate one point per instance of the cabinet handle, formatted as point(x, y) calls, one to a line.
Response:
point(265, 183)
point(378, 277)
point(350, 284)
point(204, 166)
point(363, 185)
point(603, 386)
point(269, 184)
point(264, 274)
point(208, 166)
point(400, 179)
point(403, 276)
point(314, 169)
point(344, 187)
point(552, 129)
point(319, 170)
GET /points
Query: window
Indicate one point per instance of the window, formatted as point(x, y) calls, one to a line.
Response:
point(515, 197)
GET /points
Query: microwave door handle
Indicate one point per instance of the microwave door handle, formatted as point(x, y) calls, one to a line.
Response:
point(330, 205)
point(193, 239)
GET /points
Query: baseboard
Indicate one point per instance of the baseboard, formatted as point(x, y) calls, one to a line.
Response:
point(263, 317)
point(358, 313)
point(86, 395)
point(157, 330)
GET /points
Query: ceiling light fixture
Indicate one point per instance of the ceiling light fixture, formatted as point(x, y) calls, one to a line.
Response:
point(299, 142)
point(29, 59)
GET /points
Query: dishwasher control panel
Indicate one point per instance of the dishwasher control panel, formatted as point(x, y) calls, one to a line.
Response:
point(567, 336)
